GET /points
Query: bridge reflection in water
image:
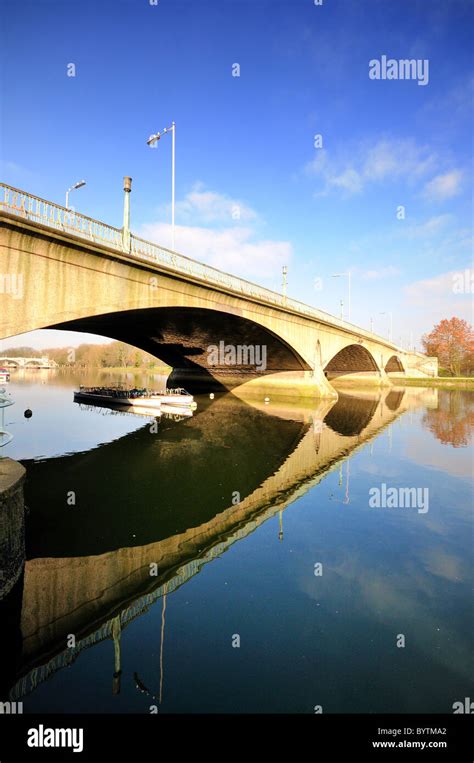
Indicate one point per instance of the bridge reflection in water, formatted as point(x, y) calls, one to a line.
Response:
point(172, 519)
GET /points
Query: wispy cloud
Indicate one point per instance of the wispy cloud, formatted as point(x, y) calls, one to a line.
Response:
point(203, 206)
point(444, 186)
point(373, 275)
point(357, 167)
point(441, 296)
point(426, 230)
point(235, 248)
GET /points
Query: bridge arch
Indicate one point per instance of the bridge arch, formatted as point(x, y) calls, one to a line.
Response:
point(352, 359)
point(394, 365)
point(199, 343)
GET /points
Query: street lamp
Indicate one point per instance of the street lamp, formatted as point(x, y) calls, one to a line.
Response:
point(284, 283)
point(391, 324)
point(151, 142)
point(348, 274)
point(73, 188)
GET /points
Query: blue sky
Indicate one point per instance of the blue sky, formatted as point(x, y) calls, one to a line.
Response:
point(248, 142)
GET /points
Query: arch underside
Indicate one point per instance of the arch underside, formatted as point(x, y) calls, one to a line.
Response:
point(394, 365)
point(353, 359)
point(194, 340)
point(182, 337)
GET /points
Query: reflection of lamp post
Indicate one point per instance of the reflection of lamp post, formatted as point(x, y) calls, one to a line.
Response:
point(346, 494)
point(151, 141)
point(73, 188)
point(348, 274)
point(390, 314)
point(280, 534)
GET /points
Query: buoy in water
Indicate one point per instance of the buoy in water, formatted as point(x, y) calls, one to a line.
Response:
point(267, 400)
point(211, 395)
point(28, 414)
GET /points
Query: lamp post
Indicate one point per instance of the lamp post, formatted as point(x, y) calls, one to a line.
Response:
point(284, 283)
point(348, 274)
point(390, 314)
point(371, 325)
point(73, 188)
point(151, 142)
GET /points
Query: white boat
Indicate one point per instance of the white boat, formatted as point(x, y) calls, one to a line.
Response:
point(176, 397)
point(113, 396)
point(135, 398)
point(4, 375)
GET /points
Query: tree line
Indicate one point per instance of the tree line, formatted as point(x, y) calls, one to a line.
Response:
point(108, 355)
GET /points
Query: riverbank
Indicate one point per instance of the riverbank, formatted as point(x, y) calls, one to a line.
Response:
point(158, 369)
point(447, 382)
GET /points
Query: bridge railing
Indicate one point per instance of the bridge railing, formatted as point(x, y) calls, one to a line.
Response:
point(47, 213)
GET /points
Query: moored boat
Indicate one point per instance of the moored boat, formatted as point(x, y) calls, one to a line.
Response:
point(135, 398)
point(4, 375)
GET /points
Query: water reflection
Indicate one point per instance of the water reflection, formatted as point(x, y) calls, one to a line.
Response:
point(452, 421)
point(152, 509)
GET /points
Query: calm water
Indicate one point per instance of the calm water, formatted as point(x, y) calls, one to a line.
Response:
point(231, 562)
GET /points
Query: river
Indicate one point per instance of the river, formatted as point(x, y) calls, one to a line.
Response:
point(244, 559)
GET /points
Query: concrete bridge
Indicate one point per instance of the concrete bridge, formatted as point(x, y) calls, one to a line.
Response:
point(16, 362)
point(63, 270)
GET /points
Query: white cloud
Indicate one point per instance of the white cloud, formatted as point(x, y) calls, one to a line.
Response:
point(396, 158)
point(372, 275)
point(204, 206)
point(444, 186)
point(352, 169)
point(439, 297)
point(234, 248)
point(428, 229)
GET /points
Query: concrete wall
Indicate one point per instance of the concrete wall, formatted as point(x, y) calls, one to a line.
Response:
point(12, 524)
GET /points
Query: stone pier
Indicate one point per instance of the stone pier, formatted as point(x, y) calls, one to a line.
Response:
point(12, 524)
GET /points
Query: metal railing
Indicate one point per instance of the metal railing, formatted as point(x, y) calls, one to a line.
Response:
point(48, 213)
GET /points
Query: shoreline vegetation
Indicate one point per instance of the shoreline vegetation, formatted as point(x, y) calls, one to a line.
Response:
point(457, 382)
point(110, 356)
point(157, 368)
